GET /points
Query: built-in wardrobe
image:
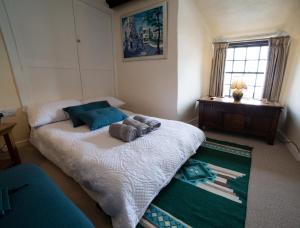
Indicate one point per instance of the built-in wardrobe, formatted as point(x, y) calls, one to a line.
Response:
point(59, 49)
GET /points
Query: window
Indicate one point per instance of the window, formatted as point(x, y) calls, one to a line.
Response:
point(246, 61)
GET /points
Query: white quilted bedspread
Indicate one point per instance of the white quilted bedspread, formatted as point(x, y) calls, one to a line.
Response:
point(124, 177)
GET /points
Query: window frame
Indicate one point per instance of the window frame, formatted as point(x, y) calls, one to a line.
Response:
point(234, 45)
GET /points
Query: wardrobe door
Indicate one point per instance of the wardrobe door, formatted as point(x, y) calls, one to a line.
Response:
point(95, 48)
point(44, 33)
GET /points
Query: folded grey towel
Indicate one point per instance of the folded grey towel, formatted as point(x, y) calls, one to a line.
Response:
point(124, 132)
point(142, 128)
point(152, 123)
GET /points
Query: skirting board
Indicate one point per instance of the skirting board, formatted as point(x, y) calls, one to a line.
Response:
point(290, 146)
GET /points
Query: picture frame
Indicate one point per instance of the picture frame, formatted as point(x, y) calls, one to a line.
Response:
point(144, 33)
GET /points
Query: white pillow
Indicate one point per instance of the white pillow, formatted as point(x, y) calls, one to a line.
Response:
point(41, 114)
point(111, 100)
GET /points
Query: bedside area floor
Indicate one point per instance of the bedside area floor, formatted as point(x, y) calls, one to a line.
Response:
point(273, 197)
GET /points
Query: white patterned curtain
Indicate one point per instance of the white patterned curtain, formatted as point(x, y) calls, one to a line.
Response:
point(217, 70)
point(278, 53)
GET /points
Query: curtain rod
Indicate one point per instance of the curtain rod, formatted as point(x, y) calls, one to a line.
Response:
point(259, 37)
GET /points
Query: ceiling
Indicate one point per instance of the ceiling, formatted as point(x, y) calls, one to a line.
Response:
point(226, 18)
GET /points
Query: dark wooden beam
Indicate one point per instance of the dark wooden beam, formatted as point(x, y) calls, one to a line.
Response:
point(114, 3)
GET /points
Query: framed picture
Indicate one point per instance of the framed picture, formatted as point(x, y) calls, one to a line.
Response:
point(144, 33)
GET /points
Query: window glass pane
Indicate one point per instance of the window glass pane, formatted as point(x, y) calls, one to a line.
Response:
point(238, 66)
point(249, 79)
point(253, 53)
point(251, 66)
point(229, 54)
point(248, 93)
point(264, 52)
point(260, 80)
point(258, 92)
point(227, 79)
point(240, 53)
point(226, 90)
point(236, 76)
point(246, 59)
point(262, 66)
point(228, 66)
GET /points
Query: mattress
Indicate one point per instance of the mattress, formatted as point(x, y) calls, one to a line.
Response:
point(122, 177)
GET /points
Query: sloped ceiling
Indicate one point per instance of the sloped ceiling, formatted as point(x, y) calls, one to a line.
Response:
point(227, 18)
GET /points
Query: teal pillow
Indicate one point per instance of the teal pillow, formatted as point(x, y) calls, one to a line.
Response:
point(98, 118)
point(73, 111)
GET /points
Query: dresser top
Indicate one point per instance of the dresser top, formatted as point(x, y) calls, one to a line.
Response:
point(244, 101)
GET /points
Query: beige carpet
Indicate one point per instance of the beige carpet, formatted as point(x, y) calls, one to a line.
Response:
point(274, 190)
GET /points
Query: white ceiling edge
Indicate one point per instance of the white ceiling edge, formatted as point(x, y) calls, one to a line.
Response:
point(249, 36)
point(231, 18)
point(204, 21)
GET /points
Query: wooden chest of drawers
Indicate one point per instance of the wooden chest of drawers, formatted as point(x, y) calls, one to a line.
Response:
point(247, 116)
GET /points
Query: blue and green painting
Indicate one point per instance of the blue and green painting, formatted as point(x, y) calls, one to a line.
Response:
point(143, 33)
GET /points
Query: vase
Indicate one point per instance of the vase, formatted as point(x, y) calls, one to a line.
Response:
point(237, 95)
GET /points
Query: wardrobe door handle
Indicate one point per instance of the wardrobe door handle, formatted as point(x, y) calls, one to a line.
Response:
point(78, 40)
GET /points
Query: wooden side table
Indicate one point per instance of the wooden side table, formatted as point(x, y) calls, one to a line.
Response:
point(6, 132)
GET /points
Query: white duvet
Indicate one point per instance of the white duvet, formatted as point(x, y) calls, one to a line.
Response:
point(122, 177)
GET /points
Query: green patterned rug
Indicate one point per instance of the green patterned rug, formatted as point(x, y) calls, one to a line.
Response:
point(209, 190)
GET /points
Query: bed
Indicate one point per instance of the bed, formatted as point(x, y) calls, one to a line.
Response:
point(122, 177)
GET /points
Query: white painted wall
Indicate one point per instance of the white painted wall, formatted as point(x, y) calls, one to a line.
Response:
point(148, 86)
point(42, 35)
point(9, 96)
point(95, 50)
point(194, 58)
point(45, 42)
point(290, 92)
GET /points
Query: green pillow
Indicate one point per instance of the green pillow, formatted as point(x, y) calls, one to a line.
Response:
point(98, 118)
point(73, 111)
